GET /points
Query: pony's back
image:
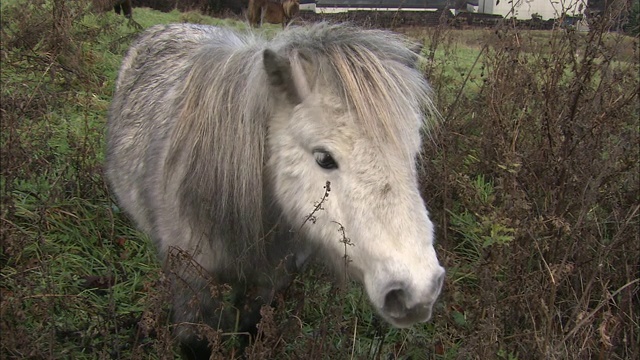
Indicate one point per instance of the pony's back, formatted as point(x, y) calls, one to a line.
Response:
point(274, 13)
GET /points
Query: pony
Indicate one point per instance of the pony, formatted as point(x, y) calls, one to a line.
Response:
point(244, 158)
point(272, 11)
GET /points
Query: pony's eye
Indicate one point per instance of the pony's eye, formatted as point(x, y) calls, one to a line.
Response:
point(324, 159)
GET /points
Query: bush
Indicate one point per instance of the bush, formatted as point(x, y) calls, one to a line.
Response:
point(632, 27)
point(539, 173)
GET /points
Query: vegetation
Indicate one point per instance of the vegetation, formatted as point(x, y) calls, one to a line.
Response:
point(633, 21)
point(533, 179)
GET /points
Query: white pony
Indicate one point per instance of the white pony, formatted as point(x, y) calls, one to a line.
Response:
point(242, 158)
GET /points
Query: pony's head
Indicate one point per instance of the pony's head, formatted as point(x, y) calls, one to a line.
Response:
point(349, 112)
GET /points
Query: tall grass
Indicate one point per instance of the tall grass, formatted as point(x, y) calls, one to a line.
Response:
point(532, 179)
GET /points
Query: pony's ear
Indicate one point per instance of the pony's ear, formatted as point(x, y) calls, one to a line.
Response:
point(281, 75)
point(304, 72)
point(416, 49)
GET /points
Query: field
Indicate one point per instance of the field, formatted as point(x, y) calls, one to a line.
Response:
point(532, 178)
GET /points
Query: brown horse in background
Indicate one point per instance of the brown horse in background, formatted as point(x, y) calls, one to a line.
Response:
point(272, 11)
point(255, 11)
point(291, 8)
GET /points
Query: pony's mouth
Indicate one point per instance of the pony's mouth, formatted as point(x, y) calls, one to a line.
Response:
point(403, 317)
point(402, 309)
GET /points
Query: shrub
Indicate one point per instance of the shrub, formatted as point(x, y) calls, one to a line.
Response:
point(541, 185)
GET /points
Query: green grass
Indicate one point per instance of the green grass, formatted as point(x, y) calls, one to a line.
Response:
point(63, 255)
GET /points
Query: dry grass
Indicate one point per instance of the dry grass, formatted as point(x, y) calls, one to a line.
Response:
point(542, 197)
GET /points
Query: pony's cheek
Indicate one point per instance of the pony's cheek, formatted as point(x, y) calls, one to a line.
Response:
point(306, 192)
point(291, 182)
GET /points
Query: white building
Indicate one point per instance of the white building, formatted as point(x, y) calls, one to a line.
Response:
point(337, 6)
point(524, 9)
point(519, 9)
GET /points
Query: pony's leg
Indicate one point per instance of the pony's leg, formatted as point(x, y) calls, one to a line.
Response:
point(127, 8)
point(195, 349)
point(252, 13)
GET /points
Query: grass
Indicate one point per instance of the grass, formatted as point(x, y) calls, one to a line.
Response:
point(532, 180)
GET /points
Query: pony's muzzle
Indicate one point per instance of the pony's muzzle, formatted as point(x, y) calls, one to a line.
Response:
point(402, 310)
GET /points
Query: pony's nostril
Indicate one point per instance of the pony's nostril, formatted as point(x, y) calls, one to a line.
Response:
point(403, 309)
point(395, 303)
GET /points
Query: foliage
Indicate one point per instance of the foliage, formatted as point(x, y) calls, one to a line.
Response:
point(632, 27)
point(542, 196)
